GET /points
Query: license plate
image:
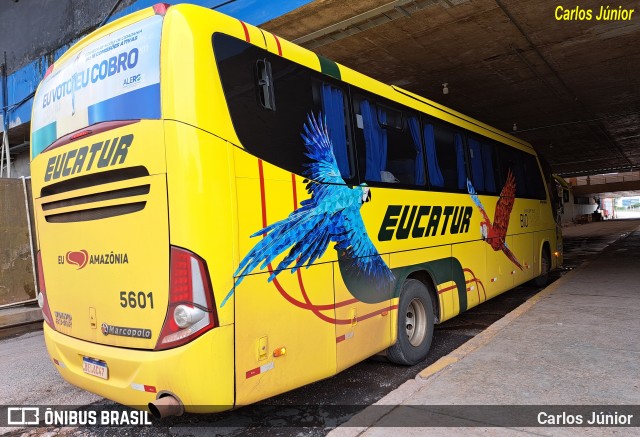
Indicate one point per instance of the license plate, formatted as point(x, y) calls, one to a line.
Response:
point(95, 367)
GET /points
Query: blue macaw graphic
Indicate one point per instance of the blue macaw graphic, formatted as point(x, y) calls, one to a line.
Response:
point(332, 214)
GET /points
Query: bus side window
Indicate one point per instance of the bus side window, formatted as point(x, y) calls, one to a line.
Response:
point(483, 163)
point(389, 145)
point(405, 157)
point(445, 157)
point(535, 184)
point(253, 80)
point(372, 158)
point(334, 110)
point(511, 160)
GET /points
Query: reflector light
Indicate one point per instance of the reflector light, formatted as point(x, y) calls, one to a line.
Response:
point(279, 352)
point(42, 296)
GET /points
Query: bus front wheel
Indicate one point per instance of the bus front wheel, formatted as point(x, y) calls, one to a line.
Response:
point(415, 324)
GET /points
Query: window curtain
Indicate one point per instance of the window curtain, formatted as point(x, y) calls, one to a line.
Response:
point(462, 171)
point(375, 139)
point(414, 127)
point(333, 108)
point(477, 172)
point(489, 175)
point(435, 174)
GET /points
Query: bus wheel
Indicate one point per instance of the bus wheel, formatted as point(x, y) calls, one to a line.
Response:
point(415, 324)
point(545, 266)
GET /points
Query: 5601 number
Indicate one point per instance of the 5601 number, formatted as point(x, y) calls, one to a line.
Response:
point(132, 299)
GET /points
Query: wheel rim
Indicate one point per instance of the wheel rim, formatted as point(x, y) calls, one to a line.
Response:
point(416, 322)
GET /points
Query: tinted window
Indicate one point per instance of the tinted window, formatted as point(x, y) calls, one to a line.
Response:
point(269, 117)
point(535, 184)
point(482, 157)
point(446, 158)
point(524, 167)
point(389, 144)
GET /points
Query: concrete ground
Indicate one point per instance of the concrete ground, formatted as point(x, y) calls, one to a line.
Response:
point(573, 344)
point(577, 330)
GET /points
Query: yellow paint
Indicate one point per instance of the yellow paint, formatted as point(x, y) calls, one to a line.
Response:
point(205, 195)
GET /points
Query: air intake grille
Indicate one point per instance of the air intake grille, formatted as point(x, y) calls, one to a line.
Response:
point(91, 180)
point(107, 187)
point(95, 213)
point(107, 195)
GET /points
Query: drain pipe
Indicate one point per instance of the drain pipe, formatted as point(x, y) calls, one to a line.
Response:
point(166, 406)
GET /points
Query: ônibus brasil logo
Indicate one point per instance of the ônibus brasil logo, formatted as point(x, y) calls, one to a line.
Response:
point(81, 258)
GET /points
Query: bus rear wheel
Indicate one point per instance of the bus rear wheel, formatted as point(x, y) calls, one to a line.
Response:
point(415, 324)
point(545, 266)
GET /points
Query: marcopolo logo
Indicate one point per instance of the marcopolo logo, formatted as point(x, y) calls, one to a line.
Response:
point(122, 331)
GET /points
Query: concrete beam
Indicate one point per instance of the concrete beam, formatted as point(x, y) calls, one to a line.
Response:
point(611, 187)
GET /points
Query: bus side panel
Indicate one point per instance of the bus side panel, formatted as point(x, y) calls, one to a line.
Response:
point(282, 341)
point(201, 203)
point(500, 269)
point(364, 329)
point(474, 266)
point(523, 248)
point(285, 334)
point(448, 297)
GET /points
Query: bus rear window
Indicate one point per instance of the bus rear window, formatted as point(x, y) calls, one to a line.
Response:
point(116, 77)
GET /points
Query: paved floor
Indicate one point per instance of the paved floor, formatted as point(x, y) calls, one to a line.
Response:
point(575, 343)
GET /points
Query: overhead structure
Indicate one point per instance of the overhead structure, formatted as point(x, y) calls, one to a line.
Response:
point(569, 87)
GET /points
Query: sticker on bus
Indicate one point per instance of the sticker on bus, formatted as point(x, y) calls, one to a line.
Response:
point(116, 77)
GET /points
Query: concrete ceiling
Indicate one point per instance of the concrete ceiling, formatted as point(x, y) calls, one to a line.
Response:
point(571, 87)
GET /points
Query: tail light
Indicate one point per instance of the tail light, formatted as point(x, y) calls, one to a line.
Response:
point(42, 295)
point(160, 8)
point(191, 311)
point(48, 72)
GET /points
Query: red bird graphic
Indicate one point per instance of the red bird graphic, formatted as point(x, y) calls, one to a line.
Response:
point(495, 233)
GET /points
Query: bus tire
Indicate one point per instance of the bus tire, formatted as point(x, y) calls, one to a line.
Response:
point(545, 266)
point(415, 325)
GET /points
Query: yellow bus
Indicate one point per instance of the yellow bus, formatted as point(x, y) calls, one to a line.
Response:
point(223, 216)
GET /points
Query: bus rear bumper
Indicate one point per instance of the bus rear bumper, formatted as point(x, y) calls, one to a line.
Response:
point(200, 373)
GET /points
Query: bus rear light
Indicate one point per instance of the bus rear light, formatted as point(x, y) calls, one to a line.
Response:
point(80, 134)
point(42, 296)
point(48, 72)
point(95, 129)
point(161, 8)
point(191, 310)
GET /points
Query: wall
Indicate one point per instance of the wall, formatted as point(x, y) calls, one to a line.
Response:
point(16, 266)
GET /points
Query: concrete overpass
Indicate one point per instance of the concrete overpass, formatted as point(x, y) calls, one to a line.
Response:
point(571, 88)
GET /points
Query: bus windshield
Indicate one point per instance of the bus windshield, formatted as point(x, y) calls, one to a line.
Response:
point(114, 78)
